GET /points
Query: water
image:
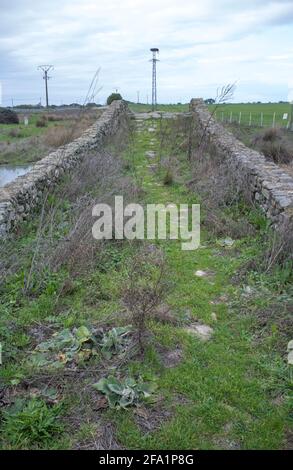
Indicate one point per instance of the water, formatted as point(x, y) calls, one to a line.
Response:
point(9, 173)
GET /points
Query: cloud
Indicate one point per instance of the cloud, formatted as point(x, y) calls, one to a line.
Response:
point(203, 44)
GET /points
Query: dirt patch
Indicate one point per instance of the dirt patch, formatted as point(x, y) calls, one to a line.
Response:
point(289, 441)
point(224, 442)
point(164, 314)
point(180, 399)
point(172, 357)
point(103, 439)
point(150, 419)
point(278, 316)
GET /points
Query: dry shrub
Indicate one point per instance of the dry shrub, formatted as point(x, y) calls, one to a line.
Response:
point(98, 178)
point(270, 135)
point(58, 136)
point(15, 133)
point(277, 151)
point(280, 247)
point(280, 315)
point(275, 145)
point(56, 117)
point(145, 288)
point(222, 192)
point(63, 134)
point(41, 122)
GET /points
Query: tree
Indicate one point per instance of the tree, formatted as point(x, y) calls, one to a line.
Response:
point(210, 101)
point(7, 116)
point(113, 97)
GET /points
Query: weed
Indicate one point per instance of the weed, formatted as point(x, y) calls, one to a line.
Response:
point(144, 289)
point(79, 345)
point(125, 393)
point(31, 424)
point(168, 178)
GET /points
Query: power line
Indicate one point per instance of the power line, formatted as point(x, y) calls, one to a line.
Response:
point(46, 69)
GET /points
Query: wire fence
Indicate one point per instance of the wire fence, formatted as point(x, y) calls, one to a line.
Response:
point(255, 119)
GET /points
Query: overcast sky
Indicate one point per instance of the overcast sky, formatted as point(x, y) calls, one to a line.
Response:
point(203, 44)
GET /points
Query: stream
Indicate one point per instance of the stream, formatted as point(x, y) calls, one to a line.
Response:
point(9, 173)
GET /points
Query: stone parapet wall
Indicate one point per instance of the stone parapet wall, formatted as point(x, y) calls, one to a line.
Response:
point(269, 186)
point(20, 198)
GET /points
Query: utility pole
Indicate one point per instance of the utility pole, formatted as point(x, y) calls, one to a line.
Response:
point(137, 97)
point(46, 69)
point(154, 60)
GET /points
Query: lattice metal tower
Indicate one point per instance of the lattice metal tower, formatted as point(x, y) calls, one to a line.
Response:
point(154, 60)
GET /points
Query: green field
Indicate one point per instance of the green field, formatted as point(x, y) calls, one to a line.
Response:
point(255, 114)
point(14, 132)
point(20, 143)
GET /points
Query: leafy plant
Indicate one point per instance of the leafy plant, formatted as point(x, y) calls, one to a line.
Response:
point(125, 393)
point(79, 345)
point(31, 423)
point(114, 341)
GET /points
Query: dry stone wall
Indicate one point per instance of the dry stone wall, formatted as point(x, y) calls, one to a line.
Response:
point(269, 186)
point(19, 198)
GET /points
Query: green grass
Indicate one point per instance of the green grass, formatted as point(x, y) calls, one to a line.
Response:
point(226, 382)
point(23, 131)
point(20, 144)
point(31, 424)
point(267, 109)
point(223, 112)
point(229, 392)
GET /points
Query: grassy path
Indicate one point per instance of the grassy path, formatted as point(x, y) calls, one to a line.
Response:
point(221, 394)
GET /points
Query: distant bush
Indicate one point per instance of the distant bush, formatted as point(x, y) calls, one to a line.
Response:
point(270, 135)
point(54, 117)
point(114, 97)
point(274, 144)
point(92, 105)
point(279, 152)
point(15, 133)
point(7, 116)
point(41, 122)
